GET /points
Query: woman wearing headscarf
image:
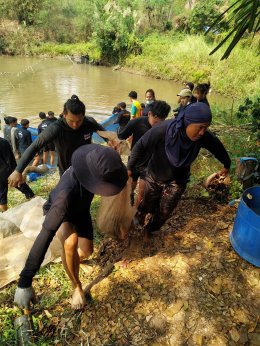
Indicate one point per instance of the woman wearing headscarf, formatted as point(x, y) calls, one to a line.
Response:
point(172, 146)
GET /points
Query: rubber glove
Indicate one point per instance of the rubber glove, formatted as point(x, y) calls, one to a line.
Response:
point(24, 296)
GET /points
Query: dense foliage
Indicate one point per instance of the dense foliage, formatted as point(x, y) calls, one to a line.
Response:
point(118, 27)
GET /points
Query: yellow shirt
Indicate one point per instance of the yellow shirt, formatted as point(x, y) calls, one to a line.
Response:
point(136, 109)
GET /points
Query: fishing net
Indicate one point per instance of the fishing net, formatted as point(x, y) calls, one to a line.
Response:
point(121, 146)
point(19, 227)
point(115, 213)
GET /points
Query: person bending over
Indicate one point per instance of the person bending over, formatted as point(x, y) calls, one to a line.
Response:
point(171, 147)
point(67, 133)
point(95, 170)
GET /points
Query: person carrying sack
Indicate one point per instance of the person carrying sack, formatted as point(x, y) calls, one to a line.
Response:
point(95, 170)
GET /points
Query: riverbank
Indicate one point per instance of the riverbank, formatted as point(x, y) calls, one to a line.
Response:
point(186, 58)
point(170, 56)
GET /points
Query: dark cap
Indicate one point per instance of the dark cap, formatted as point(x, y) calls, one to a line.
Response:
point(99, 169)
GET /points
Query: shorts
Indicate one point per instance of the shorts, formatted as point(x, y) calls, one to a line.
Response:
point(49, 147)
point(82, 224)
point(3, 192)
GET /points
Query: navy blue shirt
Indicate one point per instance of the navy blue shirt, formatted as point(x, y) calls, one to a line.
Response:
point(24, 139)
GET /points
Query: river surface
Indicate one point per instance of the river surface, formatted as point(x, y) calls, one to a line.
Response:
point(31, 85)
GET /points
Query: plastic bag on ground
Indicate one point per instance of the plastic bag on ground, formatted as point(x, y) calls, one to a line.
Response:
point(27, 219)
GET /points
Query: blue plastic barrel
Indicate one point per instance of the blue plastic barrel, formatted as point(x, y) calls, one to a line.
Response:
point(245, 236)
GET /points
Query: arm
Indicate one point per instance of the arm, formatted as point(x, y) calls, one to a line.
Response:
point(14, 141)
point(144, 148)
point(215, 146)
point(29, 138)
point(127, 131)
point(96, 125)
point(44, 138)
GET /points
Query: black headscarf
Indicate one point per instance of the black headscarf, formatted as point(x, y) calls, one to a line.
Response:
point(180, 150)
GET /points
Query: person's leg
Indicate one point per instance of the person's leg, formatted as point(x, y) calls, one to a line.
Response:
point(45, 156)
point(52, 157)
point(3, 195)
point(141, 188)
point(70, 259)
point(36, 160)
point(150, 201)
point(171, 195)
point(85, 248)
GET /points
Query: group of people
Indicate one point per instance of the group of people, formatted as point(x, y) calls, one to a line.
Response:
point(161, 156)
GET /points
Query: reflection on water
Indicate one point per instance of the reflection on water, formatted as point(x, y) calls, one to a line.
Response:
point(31, 85)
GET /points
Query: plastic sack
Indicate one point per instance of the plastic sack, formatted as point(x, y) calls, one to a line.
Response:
point(115, 213)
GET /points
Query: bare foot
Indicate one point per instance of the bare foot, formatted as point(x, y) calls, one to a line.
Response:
point(78, 300)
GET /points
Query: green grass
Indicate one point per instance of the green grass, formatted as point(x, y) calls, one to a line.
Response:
point(181, 58)
point(55, 49)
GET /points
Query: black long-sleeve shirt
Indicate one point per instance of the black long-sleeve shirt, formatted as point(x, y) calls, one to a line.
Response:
point(123, 118)
point(136, 127)
point(24, 139)
point(152, 146)
point(66, 141)
point(67, 201)
point(7, 160)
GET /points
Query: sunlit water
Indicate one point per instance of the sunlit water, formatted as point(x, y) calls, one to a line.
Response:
point(31, 85)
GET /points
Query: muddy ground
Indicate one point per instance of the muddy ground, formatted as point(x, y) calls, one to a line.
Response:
point(189, 288)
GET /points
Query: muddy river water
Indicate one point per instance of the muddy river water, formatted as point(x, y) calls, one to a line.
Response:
point(31, 85)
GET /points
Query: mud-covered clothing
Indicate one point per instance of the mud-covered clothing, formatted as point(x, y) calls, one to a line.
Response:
point(152, 146)
point(123, 118)
point(66, 141)
point(164, 183)
point(136, 128)
point(136, 109)
point(24, 139)
point(159, 200)
point(68, 202)
point(7, 166)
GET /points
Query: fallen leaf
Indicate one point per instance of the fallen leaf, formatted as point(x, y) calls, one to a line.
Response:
point(241, 316)
point(175, 308)
point(49, 315)
point(234, 334)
